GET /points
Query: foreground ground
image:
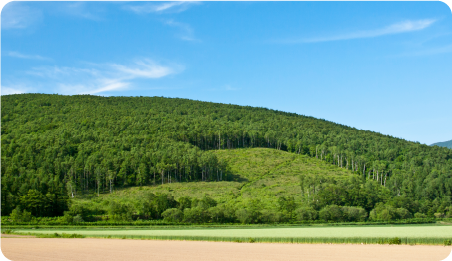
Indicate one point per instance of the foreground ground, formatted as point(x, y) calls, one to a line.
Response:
point(37, 249)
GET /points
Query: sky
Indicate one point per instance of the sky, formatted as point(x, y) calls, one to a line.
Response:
point(379, 66)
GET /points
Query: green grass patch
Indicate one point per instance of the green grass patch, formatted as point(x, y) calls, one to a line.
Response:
point(7, 231)
point(56, 235)
point(259, 173)
point(364, 234)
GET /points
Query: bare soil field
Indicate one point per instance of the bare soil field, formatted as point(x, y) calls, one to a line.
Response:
point(37, 249)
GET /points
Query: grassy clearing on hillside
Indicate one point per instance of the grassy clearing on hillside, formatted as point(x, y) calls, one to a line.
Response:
point(261, 173)
point(283, 180)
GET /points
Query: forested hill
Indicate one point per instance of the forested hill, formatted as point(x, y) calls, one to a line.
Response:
point(54, 146)
point(447, 144)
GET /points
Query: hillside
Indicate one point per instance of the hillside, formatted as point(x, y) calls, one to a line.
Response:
point(447, 144)
point(56, 148)
point(260, 173)
point(268, 186)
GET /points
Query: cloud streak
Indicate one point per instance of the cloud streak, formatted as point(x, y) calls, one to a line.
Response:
point(186, 32)
point(26, 56)
point(6, 90)
point(431, 51)
point(166, 7)
point(397, 28)
point(101, 78)
point(16, 15)
point(20, 15)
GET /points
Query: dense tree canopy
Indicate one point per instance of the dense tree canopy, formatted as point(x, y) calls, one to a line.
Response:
point(55, 147)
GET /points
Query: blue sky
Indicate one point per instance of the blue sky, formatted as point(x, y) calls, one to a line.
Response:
point(380, 66)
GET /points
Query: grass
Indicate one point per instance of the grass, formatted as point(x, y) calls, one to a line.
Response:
point(56, 235)
point(295, 240)
point(396, 234)
point(365, 234)
point(260, 173)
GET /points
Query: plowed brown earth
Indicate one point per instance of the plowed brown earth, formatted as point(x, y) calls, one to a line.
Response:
point(37, 249)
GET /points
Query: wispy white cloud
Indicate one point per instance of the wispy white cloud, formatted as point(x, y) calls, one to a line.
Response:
point(166, 7)
point(21, 14)
point(17, 15)
point(89, 10)
point(430, 51)
point(397, 28)
point(186, 32)
point(27, 56)
point(145, 69)
point(6, 90)
point(449, 2)
point(100, 78)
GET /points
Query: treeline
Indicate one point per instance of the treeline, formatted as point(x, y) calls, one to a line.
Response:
point(90, 144)
point(324, 198)
point(190, 210)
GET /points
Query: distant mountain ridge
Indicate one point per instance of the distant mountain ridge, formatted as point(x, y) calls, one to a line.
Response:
point(447, 144)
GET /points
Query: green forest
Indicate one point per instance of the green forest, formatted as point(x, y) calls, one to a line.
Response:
point(89, 158)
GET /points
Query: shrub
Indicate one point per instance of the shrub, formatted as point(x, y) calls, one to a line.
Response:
point(144, 208)
point(81, 210)
point(447, 242)
point(222, 214)
point(67, 218)
point(420, 215)
point(403, 213)
point(78, 219)
point(271, 216)
point(195, 215)
point(162, 202)
point(387, 212)
point(17, 215)
point(306, 213)
point(331, 213)
point(383, 212)
point(286, 204)
point(247, 216)
point(119, 212)
point(206, 202)
point(173, 215)
point(354, 214)
point(184, 202)
point(438, 215)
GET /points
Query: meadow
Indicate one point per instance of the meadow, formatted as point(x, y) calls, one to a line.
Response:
point(403, 234)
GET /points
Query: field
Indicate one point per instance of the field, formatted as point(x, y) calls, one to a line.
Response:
point(114, 249)
point(420, 234)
